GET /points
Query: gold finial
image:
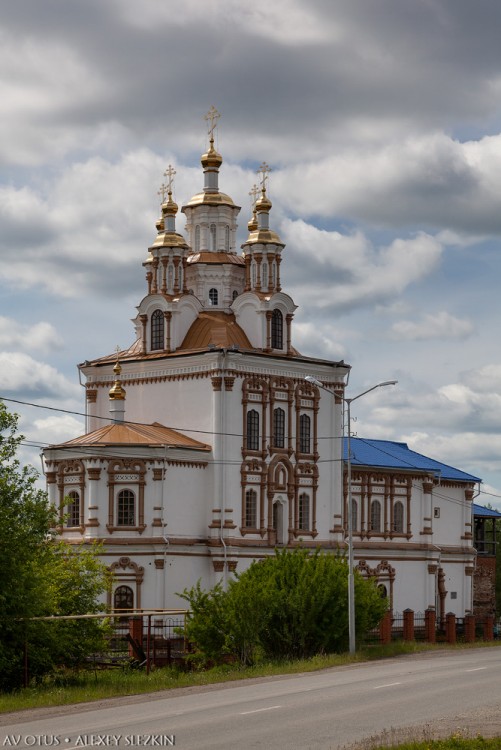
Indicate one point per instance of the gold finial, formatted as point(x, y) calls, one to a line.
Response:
point(163, 191)
point(169, 173)
point(212, 117)
point(264, 170)
point(117, 393)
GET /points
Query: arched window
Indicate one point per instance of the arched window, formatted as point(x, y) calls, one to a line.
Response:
point(213, 237)
point(123, 598)
point(375, 515)
point(73, 509)
point(227, 238)
point(354, 515)
point(398, 517)
point(157, 330)
point(279, 428)
point(280, 478)
point(170, 277)
point(277, 330)
point(213, 296)
point(304, 512)
point(197, 238)
point(234, 295)
point(251, 509)
point(382, 591)
point(304, 434)
point(252, 430)
point(254, 274)
point(126, 508)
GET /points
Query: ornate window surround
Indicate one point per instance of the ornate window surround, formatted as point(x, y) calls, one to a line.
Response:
point(128, 573)
point(387, 488)
point(126, 473)
point(71, 476)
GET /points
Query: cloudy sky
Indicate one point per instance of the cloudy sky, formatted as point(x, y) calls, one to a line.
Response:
point(381, 120)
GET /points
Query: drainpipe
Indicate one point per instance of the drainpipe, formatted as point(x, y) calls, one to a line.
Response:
point(222, 436)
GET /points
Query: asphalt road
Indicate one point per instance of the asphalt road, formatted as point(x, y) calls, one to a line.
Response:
point(321, 710)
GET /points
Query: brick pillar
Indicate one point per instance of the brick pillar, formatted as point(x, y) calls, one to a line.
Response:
point(385, 628)
point(430, 625)
point(469, 628)
point(450, 627)
point(488, 628)
point(408, 625)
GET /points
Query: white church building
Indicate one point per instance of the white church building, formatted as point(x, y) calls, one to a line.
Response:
point(206, 448)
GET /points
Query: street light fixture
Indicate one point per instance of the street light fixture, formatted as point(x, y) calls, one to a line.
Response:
point(351, 578)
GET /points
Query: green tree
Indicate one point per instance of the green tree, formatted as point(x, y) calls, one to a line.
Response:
point(293, 604)
point(40, 575)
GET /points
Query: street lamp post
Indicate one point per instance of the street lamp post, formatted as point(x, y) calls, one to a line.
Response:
point(351, 577)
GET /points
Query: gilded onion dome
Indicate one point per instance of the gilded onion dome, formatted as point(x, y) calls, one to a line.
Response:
point(259, 228)
point(117, 392)
point(212, 158)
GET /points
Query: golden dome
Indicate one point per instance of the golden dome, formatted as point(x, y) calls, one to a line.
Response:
point(117, 393)
point(212, 158)
point(252, 224)
point(169, 207)
point(264, 203)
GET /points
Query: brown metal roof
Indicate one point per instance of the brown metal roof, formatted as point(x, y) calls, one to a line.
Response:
point(126, 433)
point(216, 328)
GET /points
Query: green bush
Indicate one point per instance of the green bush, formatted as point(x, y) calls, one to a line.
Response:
point(291, 605)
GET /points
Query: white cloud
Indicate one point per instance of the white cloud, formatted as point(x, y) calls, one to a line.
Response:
point(433, 326)
point(40, 336)
point(20, 373)
point(322, 341)
point(429, 178)
point(55, 429)
point(344, 271)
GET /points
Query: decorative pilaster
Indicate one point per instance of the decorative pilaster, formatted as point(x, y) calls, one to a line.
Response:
point(144, 323)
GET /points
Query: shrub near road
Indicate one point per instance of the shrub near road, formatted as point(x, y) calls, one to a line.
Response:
point(41, 577)
point(292, 605)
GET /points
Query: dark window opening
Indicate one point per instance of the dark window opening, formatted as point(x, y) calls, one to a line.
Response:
point(251, 509)
point(252, 430)
point(279, 428)
point(304, 434)
point(277, 330)
point(157, 330)
point(126, 503)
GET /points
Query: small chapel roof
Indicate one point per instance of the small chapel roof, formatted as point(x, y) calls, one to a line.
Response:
point(392, 455)
point(129, 433)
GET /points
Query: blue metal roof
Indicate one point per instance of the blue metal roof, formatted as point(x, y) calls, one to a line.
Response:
point(390, 455)
point(482, 512)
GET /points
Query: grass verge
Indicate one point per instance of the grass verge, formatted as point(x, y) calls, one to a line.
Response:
point(68, 687)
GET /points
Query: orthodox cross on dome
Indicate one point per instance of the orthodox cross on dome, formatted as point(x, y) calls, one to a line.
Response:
point(253, 192)
point(264, 170)
point(163, 191)
point(212, 117)
point(169, 173)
